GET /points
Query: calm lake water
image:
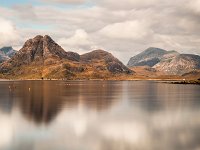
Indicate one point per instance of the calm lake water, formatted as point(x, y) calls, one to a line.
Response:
point(99, 115)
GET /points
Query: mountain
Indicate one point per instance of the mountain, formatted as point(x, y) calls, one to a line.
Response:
point(179, 65)
point(6, 53)
point(104, 61)
point(41, 50)
point(167, 62)
point(150, 57)
point(41, 57)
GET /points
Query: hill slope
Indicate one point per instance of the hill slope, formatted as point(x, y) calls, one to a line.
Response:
point(104, 60)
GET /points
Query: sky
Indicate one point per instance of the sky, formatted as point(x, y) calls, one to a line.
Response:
point(123, 27)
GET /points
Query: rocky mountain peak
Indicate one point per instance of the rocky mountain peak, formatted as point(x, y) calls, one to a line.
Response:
point(95, 54)
point(154, 50)
point(39, 51)
point(42, 47)
point(149, 57)
point(47, 38)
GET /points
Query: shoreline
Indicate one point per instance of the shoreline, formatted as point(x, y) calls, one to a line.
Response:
point(197, 82)
point(167, 81)
point(136, 79)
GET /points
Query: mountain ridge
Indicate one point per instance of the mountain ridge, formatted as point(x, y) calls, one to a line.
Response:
point(42, 57)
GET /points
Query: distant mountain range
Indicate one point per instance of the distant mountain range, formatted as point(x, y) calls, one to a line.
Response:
point(6, 53)
point(41, 57)
point(168, 62)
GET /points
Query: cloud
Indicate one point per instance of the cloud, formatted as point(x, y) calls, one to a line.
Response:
point(129, 4)
point(194, 5)
point(76, 2)
point(8, 32)
point(124, 28)
point(133, 30)
point(25, 12)
point(80, 40)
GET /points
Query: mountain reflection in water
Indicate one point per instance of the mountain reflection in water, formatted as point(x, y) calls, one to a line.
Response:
point(98, 115)
point(41, 101)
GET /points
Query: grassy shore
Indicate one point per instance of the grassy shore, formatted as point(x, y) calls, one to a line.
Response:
point(109, 77)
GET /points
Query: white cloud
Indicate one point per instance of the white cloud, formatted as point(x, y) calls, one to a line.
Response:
point(66, 1)
point(131, 30)
point(128, 4)
point(124, 28)
point(80, 40)
point(194, 5)
point(25, 12)
point(8, 33)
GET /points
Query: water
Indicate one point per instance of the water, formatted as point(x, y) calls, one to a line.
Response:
point(99, 115)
